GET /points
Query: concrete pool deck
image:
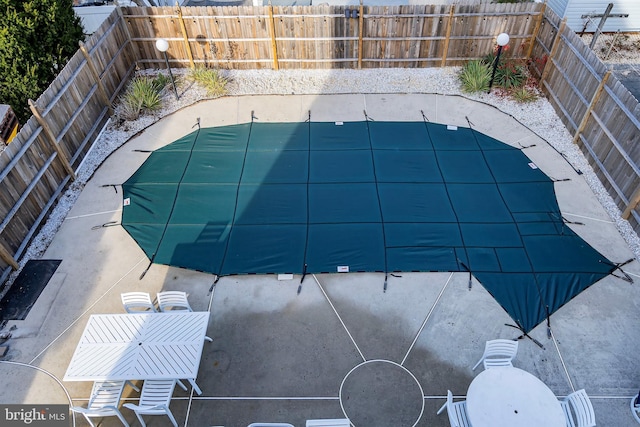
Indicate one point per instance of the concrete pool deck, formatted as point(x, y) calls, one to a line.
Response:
point(341, 346)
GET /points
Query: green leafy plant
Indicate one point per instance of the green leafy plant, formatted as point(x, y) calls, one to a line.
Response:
point(524, 94)
point(141, 94)
point(160, 82)
point(475, 76)
point(510, 75)
point(211, 80)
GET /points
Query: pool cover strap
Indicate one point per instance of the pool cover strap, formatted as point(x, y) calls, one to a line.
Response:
point(370, 196)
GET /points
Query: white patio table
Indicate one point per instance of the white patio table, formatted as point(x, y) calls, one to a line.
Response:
point(140, 346)
point(507, 397)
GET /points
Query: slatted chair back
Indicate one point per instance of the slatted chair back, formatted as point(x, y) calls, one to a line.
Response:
point(582, 408)
point(173, 300)
point(134, 302)
point(103, 402)
point(456, 411)
point(154, 400)
point(498, 353)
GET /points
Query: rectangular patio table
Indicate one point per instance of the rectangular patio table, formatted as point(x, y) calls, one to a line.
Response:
point(140, 346)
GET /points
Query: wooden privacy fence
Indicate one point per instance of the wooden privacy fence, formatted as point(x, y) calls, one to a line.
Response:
point(601, 114)
point(41, 161)
point(323, 36)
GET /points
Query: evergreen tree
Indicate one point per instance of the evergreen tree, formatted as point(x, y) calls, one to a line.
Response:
point(37, 38)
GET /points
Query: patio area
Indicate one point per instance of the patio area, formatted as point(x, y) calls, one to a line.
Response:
point(282, 356)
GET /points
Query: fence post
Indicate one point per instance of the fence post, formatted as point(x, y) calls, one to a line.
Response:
point(360, 32)
point(633, 202)
point(126, 30)
point(446, 40)
point(6, 257)
point(554, 49)
point(536, 30)
point(596, 97)
point(52, 140)
point(184, 35)
point(101, 92)
point(272, 30)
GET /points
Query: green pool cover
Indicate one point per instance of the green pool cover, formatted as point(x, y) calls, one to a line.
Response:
point(320, 197)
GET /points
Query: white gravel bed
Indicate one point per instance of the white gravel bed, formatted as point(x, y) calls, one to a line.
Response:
point(539, 116)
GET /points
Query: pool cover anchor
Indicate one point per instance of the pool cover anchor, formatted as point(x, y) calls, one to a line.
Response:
point(425, 118)
point(470, 274)
point(213, 285)
point(618, 266)
point(524, 334)
point(115, 186)
point(304, 273)
point(366, 117)
point(105, 225)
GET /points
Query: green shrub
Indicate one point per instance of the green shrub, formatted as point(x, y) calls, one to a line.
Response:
point(475, 76)
point(141, 94)
point(160, 82)
point(510, 75)
point(211, 80)
point(524, 94)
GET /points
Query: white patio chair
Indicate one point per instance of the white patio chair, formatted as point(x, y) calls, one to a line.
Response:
point(335, 422)
point(135, 302)
point(457, 411)
point(104, 401)
point(498, 353)
point(579, 403)
point(154, 400)
point(175, 300)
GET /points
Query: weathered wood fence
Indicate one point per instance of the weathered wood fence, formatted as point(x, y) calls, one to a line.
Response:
point(601, 114)
point(40, 163)
point(322, 36)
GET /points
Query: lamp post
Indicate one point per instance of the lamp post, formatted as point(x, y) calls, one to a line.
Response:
point(162, 45)
point(502, 40)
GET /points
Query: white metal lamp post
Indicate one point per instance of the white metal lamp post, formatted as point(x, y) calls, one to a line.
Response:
point(502, 40)
point(162, 45)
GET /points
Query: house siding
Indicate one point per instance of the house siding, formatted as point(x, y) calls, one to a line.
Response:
point(574, 9)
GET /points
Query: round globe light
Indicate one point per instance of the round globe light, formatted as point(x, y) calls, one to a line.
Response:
point(503, 39)
point(162, 45)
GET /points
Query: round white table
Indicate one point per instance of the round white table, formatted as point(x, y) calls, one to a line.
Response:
point(507, 397)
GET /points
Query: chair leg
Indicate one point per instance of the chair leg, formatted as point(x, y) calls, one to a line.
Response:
point(172, 418)
point(89, 420)
point(181, 384)
point(476, 365)
point(442, 408)
point(121, 417)
point(132, 385)
point(141, 420)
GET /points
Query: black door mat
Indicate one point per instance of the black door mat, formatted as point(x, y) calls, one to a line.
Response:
point(27, 287)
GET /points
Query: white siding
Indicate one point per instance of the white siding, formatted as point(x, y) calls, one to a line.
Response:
point(558, 6)
point(576, 8)
point(92, 17)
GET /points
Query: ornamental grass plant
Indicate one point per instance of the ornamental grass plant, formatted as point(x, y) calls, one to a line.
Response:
point(475, 76)
point(214, 83)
